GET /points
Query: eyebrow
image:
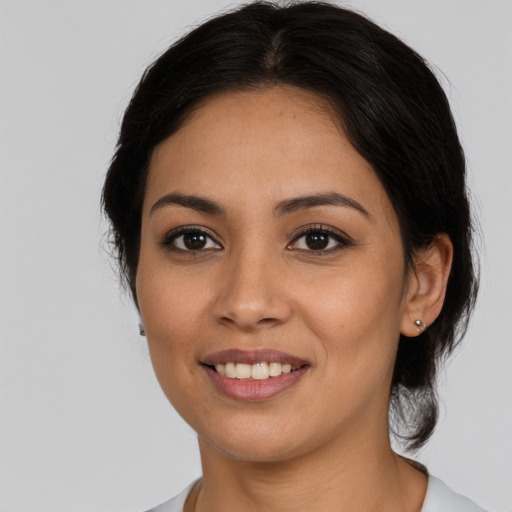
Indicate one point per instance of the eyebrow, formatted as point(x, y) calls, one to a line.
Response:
point(200, 204)
point(326, 199)
point(209, 206)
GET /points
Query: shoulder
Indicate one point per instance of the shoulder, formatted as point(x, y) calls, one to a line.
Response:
point(175, 504)
point(440, 498)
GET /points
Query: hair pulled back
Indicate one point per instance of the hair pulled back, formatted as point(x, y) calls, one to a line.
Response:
point(394, 112)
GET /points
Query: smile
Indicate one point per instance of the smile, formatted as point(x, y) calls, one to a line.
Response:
point(253, 375)
point(258, 371)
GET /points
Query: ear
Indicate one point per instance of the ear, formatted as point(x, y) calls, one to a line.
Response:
point(426, 286)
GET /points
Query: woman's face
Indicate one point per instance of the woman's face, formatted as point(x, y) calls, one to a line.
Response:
point(267, 243)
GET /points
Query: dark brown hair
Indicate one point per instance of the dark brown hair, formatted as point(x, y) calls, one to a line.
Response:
point(393, 110)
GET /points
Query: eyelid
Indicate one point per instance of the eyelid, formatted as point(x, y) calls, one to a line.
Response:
point(342, 238)
point(168, 239)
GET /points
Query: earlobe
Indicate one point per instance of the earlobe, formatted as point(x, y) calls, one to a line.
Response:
point(420, 326)
point(427, 285)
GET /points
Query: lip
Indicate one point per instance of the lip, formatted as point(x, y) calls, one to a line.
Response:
point(253, 390)
point(253, 357)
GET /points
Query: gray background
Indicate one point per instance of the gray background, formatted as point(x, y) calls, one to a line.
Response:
point(83, 423)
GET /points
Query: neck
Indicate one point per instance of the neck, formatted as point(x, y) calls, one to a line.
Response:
point(359, 476)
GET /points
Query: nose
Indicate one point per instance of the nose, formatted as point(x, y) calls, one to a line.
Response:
point(252, 294)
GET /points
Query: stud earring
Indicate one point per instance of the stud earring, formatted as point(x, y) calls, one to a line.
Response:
point(420, 326)
point(142, 332)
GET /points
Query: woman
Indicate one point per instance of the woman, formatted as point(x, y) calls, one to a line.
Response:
point(288, 202)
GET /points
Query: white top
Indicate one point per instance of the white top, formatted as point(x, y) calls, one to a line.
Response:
point(439, 498)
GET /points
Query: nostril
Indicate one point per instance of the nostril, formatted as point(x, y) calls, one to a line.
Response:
point(267, 320)
point(227, 320)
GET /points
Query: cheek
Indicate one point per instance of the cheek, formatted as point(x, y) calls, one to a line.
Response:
point(356, 314)
point(172, 312)
point(171, 300)
point(167, 309)
point(359, 298)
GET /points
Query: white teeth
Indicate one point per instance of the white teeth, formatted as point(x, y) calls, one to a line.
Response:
point(258, 371)
point(274, 369)
point(231, 370)
point(243, 371)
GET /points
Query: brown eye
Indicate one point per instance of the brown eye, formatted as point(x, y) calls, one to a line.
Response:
point(189, 240)
point(320, 240)
point(317, 241)
point(195, 241)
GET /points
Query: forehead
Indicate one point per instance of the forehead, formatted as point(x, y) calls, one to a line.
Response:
point(250, 145)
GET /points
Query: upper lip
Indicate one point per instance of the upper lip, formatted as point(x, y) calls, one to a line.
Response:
point(253, 357)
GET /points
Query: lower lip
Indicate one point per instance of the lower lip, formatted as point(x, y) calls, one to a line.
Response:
point(252, 390)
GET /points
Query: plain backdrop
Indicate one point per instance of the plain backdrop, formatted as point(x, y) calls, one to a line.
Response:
point(84, 425)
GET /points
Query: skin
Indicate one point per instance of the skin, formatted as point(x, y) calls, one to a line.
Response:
point(322, 444)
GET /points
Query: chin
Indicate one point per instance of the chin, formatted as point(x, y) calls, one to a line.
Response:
point(259, 441)
point(264, 452)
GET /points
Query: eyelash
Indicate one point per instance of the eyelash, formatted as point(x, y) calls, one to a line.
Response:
point(169, 239)
point(342, 240)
